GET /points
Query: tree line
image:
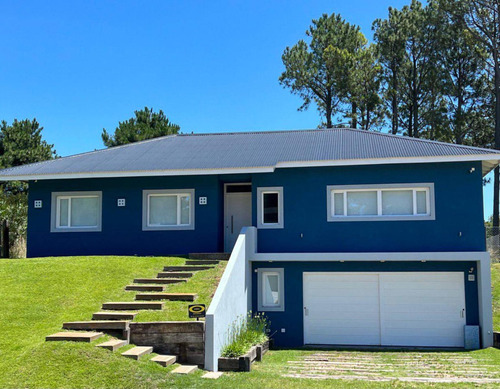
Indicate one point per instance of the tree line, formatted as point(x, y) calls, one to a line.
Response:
point(431, 72)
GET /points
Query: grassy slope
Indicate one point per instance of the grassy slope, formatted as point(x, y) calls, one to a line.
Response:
point(74, 288)
point(38, 295)
point(495, 282)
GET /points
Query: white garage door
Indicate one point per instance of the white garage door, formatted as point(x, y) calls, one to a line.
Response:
point(389, 309)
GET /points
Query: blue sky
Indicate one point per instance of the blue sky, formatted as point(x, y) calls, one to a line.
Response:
point(212, 66)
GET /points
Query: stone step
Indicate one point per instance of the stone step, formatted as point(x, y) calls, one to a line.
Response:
point(118, 306)
point(186, 268)
point(112, 345)
point(185, 369)
point(202, 256)
point(164, 360)
point(137, 352)
point(97, 325)
point(74, 336)
point(201, 262)
point(146, 288)
point(158, 280)
point(114, 315)
point(167, 296)
point(171, 274)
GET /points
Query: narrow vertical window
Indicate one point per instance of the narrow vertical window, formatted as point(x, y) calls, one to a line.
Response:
point(271, 289)
point(270, 207)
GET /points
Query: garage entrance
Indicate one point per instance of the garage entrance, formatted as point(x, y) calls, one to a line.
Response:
point(424, 309)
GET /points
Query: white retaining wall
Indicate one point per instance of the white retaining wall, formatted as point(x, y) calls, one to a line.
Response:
point(233, 297)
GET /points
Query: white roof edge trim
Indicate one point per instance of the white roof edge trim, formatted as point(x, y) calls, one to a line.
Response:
point(494, 159)
point(394, 160)
point(143, 173)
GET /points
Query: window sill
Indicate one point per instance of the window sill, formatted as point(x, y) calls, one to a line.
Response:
point(76, 229)
point(380, 218)
point(168, 228)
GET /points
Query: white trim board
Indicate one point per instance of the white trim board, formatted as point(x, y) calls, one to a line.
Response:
point(489, 162)
point(413, 256)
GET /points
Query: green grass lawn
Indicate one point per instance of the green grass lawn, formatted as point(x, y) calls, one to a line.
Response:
point(495, 282)
point(39, 294)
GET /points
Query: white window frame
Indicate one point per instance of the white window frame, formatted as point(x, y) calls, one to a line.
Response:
point(146, 196)
point(331, 190)
point(260, 207)
point(56, 206)
point(261, 273)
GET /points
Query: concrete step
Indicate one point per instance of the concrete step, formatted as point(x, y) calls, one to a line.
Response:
point(202, 256)
point(146, 288)
point(97, 325)
point(158, 280)
point(186, 268)
point(171, 274)
point(196, 262)
point(114, 315)
point(185, 369)
point(167, 296)
point(137, 352)
point(112, 345)
point(164, 360)
point(125, 306)
point(74, 336)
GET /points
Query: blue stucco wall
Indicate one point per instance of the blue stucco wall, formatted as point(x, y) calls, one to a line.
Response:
point(122, 226)
point(458, 225)
point(292, 317)
point(459, 209)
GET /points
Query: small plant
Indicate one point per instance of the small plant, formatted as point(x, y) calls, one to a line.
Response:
point(245, 332)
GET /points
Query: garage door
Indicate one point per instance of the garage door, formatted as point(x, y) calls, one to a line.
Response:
point(389, 309)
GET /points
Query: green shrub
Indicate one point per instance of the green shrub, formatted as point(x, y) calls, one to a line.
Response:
point(245, 332)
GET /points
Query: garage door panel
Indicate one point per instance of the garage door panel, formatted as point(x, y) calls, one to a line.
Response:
point(394, 309)
point(409, 315)
point(364, 340)
point(427, 341)
point(341, 309)
point(419, 310)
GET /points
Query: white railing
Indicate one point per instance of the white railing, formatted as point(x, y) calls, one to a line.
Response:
point(232, 299)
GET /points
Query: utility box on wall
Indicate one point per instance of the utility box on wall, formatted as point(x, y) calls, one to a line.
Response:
point(471, 334)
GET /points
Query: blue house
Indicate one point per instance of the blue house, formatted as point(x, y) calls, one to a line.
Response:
point(356, 238)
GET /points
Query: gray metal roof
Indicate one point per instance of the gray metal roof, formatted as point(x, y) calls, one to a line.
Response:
point(249, 151)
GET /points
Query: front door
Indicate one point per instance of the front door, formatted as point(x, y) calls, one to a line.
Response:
point(237, 212)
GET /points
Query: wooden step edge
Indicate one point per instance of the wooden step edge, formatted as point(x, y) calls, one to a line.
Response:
point(160, 281)
point(97, 325)
point(137, 352)
point(114, 315)
point(164, 360)
point(166, 296)
point(112, 345)
point(74, 336)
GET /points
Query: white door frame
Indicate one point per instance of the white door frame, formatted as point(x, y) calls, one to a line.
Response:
point(369, 273)
point(225, 206)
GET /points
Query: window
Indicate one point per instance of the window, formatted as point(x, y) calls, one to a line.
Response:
point(270, 207)
point(76, 211)
point(381, 202)
point(168, 209)
point(271, 290)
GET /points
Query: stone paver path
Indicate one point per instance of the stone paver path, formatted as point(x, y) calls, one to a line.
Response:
point(431, 367)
